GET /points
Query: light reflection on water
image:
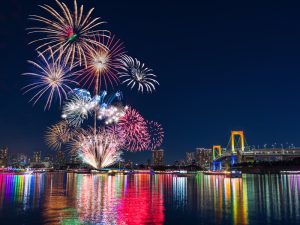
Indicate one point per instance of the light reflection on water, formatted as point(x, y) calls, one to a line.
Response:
point(59, 198)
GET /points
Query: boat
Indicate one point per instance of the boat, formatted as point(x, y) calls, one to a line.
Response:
point(38, 171)
point(234, 174)
point(290, 172)
point(123, 172)
point(111, 173)
point(182, 175)
point(23, 173)
point(99, 171)
point(229, 174)
point(82, 171)
point(218, 172)
point(150, 171)
point(127, 172)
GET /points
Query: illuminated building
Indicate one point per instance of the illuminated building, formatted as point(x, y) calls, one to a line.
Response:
point(22, 159)
point(47, 159)
point(3, 156)
point(203, 156)
point(60, 161)
point(74, 159)
point(47, 162)
point(74, 162)
point(190, 158)
point(37, 157)
point(158, 157)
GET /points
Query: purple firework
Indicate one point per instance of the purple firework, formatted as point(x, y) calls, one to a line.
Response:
point(156, 134)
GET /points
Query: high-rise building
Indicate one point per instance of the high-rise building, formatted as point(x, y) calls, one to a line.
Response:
point(3, 156)
point(158, 157)
point(203, 156)
point(48, 161)
point(60, 159)
point(75, 159)
point(22, 159)
point(190, 158)
point(37, 157)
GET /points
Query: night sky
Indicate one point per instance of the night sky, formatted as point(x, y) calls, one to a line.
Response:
point(222, 66)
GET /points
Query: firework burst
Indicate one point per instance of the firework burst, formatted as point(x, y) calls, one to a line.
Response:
point(118, 133)
point(51, 79)
point(58, 135)
point(69, 33)
point(72, 39)
point(135, 128)
point(80, 105)
point(156, 134)
point(136, 74)
point(111, 114)
point(77, 109)
point(102, 64)
point(104, 108)
point(99, 150)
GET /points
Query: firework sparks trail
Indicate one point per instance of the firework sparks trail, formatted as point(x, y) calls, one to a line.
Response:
point(108, 112)
point(135, 128)
point(80, 105)
point(71, 39)
point(77, 108)
point(51, 79)
point(103, 64)
point(58, 135)
point(134, 73)
point(99, 150)
point(118, 133)
point(71, 34)
point(156, 134)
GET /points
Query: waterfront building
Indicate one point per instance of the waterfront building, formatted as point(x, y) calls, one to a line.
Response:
point(203, 156)
point(190, 158)
point(37, 157)
point(158, 157)
point(3, 156)
point(21, 159)
point(75, 159)
point(74, 162)
point(60, 161)
point(148, 163)
point(47, 159)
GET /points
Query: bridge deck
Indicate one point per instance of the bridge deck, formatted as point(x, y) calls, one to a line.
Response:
point(263, 152)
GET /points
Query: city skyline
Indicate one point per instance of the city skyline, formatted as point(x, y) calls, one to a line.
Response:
point(149, 112)
point(223, 73)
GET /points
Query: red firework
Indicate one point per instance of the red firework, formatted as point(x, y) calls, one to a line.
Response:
point(156, 134)
point(103, 63)
point(135, 127)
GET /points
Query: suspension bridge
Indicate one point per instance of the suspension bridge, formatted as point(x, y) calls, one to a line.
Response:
point(238, 151)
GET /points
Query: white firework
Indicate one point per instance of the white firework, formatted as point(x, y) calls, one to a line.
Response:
point(77, 109)
point(111, 114)
point(51, 79)
point(99, 150)
point(136, 74)
point(71, 33)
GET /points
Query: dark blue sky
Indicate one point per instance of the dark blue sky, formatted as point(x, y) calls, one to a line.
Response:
point(222, 66)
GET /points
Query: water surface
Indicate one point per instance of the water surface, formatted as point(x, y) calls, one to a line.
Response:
point(60, 198)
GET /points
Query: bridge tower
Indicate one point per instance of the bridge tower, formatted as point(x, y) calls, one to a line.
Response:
point(216, 148)
point(242, 142)
point(216, 151)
